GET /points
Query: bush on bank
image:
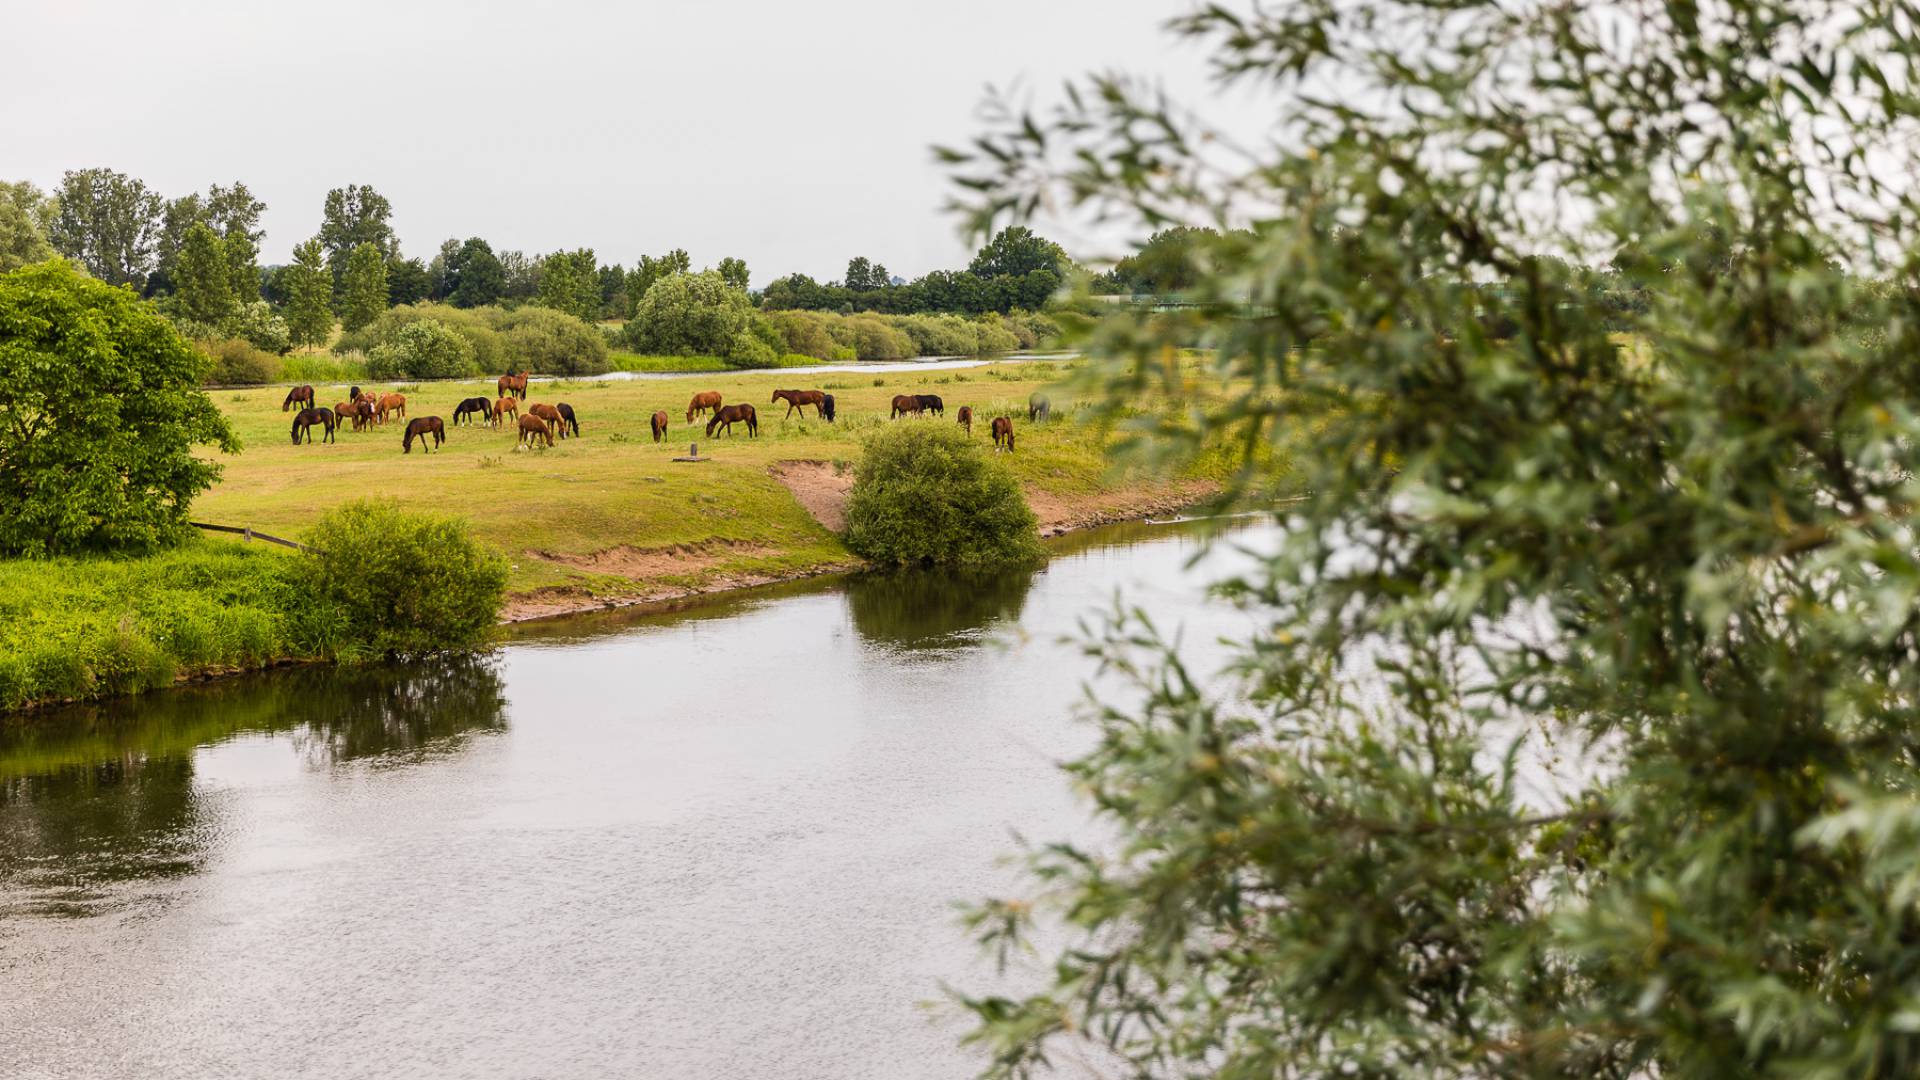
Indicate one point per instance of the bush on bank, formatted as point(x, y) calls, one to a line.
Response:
point(388, 583)
point(924, 495)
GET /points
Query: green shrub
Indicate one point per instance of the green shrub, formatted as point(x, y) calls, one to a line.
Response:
point(423, 350)
point(939, 335)
point(319, 368)
point(749, 351)
point(480, 327)
point(259, 326)
point(925, 494)
point(549, 342)
point(804, 332)
point(697, 314)
point(401, 584)
point(871, 338)
point(994, 337)
point(238, 363)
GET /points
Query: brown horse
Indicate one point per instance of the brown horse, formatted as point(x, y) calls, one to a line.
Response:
point(355, 411)
point(506, 406)
point(306, 420)
point(423, 427)
point(466, 410)
point(966, 418)
point(299, 395)
point(572, 422)
point(554, 421)
point(729, 415)
point(391, 404)
point(514, 383)
point(533, 429)
point(365, 397)
point(1002, 434)
point(795, 399)
point(904, 404)
point(660, 422)
point(709, 399)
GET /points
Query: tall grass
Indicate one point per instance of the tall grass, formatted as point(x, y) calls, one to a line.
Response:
point(319, 368)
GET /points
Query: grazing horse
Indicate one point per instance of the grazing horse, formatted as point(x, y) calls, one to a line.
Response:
point(554, 421)
point(906, 403)
point(353, 395)
point(966, 418)
point(566, 415)
point(513, 383)
point(355, 411)
point(826, 407)
point(423, 427)
point(729, 414)
point(533, 429)
point(660, 422)
point(795, 399)
point(709, 399)
point(299, 395)
point(395, 404)
point(933, 404)
point(305, 420)
point(1002, 434)
point(467, 408)
point(1038, 408)
point(505, 407)
point(365, 397)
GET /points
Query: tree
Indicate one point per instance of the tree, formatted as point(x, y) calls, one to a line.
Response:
point(650, 270)
point(107, 222)
point(351, 216)
point(1573, 731)
point(570, 282)
point(24, 212)
point(689, 315)
point(97, 429)
point(243, 267)
point(734, 273)
point(865, 276)
point(363, 287)
point(309, 290)
point(203, 283)
point(550, 342)
point(521, 274)
point(233, 211)
point(474, 277)
point(408, 282)
point(925, 495)
point(1017, 251)
point(427, 349)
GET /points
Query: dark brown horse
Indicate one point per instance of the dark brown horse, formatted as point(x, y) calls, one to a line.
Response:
point(728, 415)
point(660, 422)
point(359, 413)
point(708, 399)
point(933, 404)
point(423, 427)
point(567, 417)
point(466, 409)
point(1002, 434)
point(796, 399)
point(966, 418)
point(826, 407)
point(904, 404)
point(353, 394)
point(306, 420)
point(299, 395)
point(516, 384)
point(533, 429)
point(556, 423)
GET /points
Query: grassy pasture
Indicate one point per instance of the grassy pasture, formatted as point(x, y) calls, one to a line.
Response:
point(614, 489)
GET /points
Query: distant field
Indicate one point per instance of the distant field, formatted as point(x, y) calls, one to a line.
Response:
point(611, 513)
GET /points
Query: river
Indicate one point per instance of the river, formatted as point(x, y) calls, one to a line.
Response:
point(722, 842)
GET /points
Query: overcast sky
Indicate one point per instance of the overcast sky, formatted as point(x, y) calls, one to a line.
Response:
point(794, 135)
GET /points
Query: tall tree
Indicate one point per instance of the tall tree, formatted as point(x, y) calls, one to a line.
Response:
point(355, 215)
point(522, 276)
point(230, 211)
point(1017, 251)
point(309, 290)
point(24, 212)
point(474, 276)
point(107, 222)
point(570, 282)
point(363, 287)
point(233, 211)
point(203, 281)
point(864, 275)
point(243, 266)
point(408, 282)
point(734, 272)
point(650, 270)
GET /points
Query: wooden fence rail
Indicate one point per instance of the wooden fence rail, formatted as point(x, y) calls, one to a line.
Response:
point(251, 535)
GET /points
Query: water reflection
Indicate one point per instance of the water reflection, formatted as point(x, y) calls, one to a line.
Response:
point(99, 794)
point(914, 609)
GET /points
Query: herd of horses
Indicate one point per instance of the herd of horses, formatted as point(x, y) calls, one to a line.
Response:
point(539, 423)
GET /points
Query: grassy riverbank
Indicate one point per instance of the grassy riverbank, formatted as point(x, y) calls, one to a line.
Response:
point(606, 519)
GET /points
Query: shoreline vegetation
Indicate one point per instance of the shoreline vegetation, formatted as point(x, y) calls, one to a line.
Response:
point(606, 521)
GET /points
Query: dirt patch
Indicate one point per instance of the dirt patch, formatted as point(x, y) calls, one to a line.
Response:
point(642, 564)
point(818, 488)
point(1063, 514)
point(556, 600)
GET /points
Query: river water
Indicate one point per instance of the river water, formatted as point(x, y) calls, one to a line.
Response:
point(724, 842)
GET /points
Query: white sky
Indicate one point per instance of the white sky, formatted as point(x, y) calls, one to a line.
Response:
point(794, 135)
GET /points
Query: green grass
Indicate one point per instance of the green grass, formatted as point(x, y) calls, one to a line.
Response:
point(322, 367)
